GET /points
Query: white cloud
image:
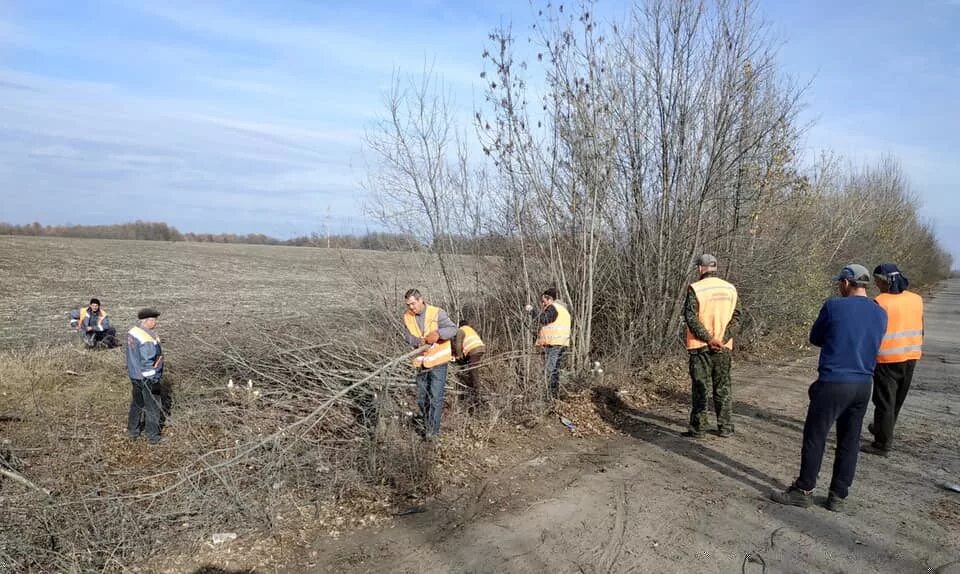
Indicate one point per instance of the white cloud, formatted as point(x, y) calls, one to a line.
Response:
point(64, 144)
point(381, 46)
point(56, 151)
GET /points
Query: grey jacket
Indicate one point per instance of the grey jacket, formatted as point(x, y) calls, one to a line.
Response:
point(144, 354)
point(445, 327)
point(93, 320)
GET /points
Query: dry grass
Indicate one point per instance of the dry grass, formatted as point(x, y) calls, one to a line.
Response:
point(303, 324)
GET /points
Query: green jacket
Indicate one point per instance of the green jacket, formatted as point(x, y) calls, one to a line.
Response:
point(691, 315)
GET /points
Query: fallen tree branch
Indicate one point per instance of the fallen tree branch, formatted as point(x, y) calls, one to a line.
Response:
point(17, 477)
point(313, 417)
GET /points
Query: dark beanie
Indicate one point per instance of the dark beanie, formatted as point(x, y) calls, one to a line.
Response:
point(147, 313)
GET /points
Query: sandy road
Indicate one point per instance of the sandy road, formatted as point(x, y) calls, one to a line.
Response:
point(654, 501)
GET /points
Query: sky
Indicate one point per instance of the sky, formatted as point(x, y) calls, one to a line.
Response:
point(250, 116)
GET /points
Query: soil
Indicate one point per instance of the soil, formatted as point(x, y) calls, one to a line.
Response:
point(650, 500)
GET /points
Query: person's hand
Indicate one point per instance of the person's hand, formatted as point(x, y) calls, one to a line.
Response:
point(432, 337)
point(89, 329)
point(715, 344)
point(528, 308)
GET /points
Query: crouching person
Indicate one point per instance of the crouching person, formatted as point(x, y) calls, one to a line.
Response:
point(94, 326)
point(145, 368)
point(468, 350)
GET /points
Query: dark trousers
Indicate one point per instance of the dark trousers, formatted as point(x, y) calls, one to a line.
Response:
point(710, 371)
point(107, 338)
point(430, 389)
point(144, 403)
point(470, 375)
point(552, 363)
point(841, 403)
point(891, 382)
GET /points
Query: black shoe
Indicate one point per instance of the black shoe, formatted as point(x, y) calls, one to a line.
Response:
point(834, 502)
point(874, 448)
point(870, 429)
point(692, 434)
point(793, 496)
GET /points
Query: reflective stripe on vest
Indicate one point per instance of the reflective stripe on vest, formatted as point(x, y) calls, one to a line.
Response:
point(903, 340)
point(143, 336)
point(556, 333)
point(471, 340)
point(717, 300)
point(438, 353)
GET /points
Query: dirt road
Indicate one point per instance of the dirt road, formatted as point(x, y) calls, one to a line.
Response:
point(654, 501)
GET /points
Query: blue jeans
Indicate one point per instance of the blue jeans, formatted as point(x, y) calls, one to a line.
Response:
point(552, 363)
point(841, 403)
point(146, 403)
point(430, 388)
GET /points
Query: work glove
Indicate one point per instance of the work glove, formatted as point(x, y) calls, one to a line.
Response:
point(432, 337)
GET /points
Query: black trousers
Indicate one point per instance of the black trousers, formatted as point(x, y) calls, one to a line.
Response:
point(843, 404)
point(891, 382)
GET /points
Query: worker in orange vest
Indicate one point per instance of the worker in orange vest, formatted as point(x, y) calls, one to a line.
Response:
point(901, 348)
point(468, 350)
point(712, 314)
point(553, 336)
point(429, 326)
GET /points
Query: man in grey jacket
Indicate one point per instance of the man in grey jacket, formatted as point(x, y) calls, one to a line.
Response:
point(145, 369)
point(429, 327)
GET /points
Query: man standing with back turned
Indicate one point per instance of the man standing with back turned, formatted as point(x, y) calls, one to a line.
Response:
point(712, 314)
point(429, 325)
point(848, 331)
point(899, 352)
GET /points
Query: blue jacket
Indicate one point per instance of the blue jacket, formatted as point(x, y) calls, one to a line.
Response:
point(144, 355)
point(99, 321)
point(848, 331)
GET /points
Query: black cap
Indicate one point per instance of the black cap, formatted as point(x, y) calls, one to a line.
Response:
point(147, 313)
point(94, 300)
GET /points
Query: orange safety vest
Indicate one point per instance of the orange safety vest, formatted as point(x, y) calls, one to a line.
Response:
point(558, 332)
point(101, 314)
point(903, 340)
point(717, 300)
point(471, 340)
point(438, 353)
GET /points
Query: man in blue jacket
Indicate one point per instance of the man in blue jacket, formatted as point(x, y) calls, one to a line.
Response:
point(145, 369)
point(848, 331)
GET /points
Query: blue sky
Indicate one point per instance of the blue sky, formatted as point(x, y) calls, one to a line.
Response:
point(249, 116)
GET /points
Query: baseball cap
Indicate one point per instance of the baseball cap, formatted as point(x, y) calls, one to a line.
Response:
point(707, 260)
point(855, 273)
